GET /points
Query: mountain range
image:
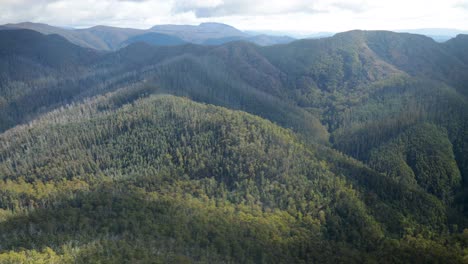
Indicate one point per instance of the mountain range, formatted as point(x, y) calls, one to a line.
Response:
point(112, 38)
point(173, 146)
point(438, 34)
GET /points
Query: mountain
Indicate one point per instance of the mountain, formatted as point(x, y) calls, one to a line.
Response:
point(351, 148)
point(421, 56)
point(37, 67)
point(221, 41)
point(107, 38)
point(70, 35)
point(156, 39)
point(266, 40)
point(457, 47)
point(112, 38)
point(198, 34)
point(320, 35)
point(438, 34)
point(216, 165)
point(261, 40)
point(296, 35)
point(98, 37)
point(36, 47)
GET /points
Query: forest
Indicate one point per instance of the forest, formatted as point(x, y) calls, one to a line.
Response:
point(347, 149)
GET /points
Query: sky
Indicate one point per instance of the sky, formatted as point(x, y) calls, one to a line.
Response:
point(294, 16)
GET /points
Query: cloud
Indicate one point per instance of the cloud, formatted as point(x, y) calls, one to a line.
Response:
point(462, 5)
point(85, 13)
point(137, 1)
point(222, 8)
point(280, 15)
point(356, 7)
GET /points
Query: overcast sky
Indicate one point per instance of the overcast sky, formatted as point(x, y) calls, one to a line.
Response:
point(300, 16)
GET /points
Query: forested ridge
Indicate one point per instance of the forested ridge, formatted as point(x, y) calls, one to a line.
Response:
point(348, 149)
point(107, 38)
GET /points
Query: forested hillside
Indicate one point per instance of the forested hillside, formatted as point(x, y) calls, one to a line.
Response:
point(247, 190)
point(348, 149)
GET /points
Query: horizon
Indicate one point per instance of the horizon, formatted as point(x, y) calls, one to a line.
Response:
point(435, 32)
point(298, 17)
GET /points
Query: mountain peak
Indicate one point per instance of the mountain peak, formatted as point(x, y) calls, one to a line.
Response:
point(215, 24)
point(27, 23)
point(199, 34)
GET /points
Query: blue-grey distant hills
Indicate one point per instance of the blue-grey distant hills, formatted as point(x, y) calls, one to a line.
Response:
point(262, 40)
point(156, 39)
point(199, 34)
point(438, 34)
point(113, 38)
point(98, 37)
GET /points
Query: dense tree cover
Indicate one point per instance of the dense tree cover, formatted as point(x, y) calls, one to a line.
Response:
point(423, 156)
point(401, 107)
point(165, 179)
point(156, 39)
point(365, 160)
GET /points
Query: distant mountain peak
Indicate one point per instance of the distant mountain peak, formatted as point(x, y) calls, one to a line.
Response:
point(102, 37)
point(26, 24)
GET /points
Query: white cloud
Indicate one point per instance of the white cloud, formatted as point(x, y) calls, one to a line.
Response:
point(462, 5)
point(280, 15)
point(222, 8)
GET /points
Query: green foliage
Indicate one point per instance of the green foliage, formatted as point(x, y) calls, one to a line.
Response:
point(423, 156)
point(197, 183)
point(129, 176)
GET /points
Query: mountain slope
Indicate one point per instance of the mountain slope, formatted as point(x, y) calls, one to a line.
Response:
point(36, 47)
point(112, 38)
point(31, 65)
point(370, 86)
point(156, 39)
point(350, 149)
point(422, 156)
point(457, 47)
point(420, 56)
point(114, 173)
point(198, 34)
point(261, 40)
point(321, 76)
point(295, 85)
point(98, 37)
point(105, 37)
point(266, 40)
point(45, 29)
